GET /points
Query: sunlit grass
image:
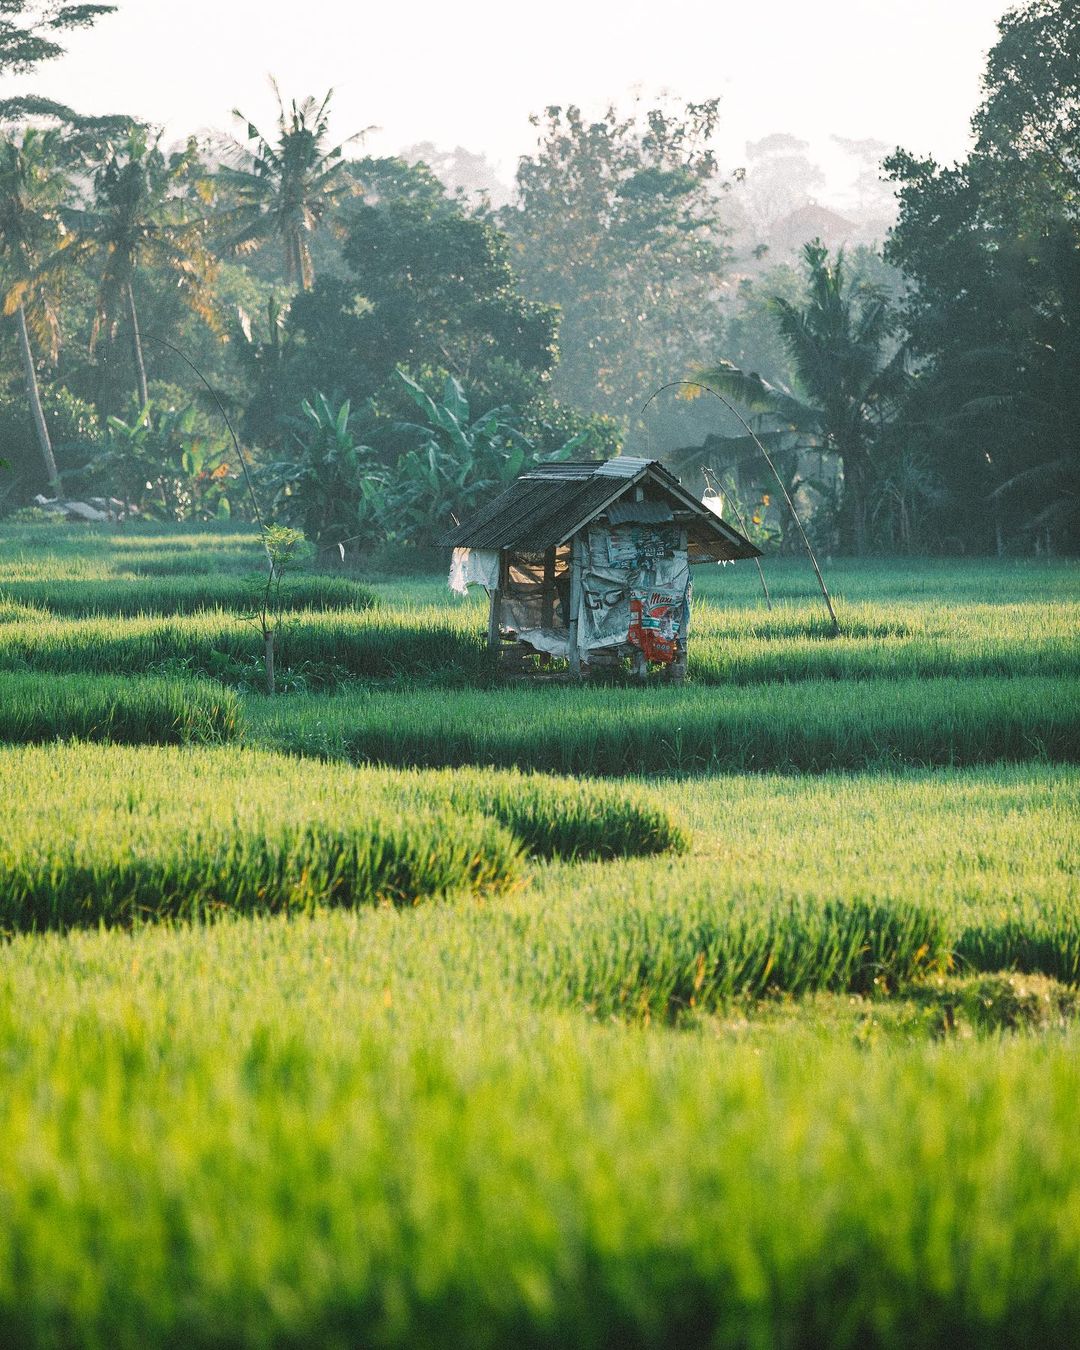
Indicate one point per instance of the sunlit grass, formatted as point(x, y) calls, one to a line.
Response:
point(439, 1060)
point(98, 835)
point(238, 1139)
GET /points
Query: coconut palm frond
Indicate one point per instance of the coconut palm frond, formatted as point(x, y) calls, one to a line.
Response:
point(746, 388)
point(1062, 465)
point(286, 186)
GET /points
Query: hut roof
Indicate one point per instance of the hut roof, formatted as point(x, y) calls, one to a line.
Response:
point(551, 502)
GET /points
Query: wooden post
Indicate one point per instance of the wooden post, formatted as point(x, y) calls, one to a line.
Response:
point(268, 660)
point(547, 600)
point(496, 605)
point(576, 567)
point(677, 670)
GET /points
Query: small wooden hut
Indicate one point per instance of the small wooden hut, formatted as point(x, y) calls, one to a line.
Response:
point(591, 562)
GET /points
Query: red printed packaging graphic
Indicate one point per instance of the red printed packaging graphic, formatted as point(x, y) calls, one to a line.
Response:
point(654, 624)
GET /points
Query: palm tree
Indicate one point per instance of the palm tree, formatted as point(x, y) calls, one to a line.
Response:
point(32, 189)
point(140, 218)
point(849, 380)
point(286, 187)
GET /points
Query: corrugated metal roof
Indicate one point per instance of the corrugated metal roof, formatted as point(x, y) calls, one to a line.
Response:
point(551, 502)
point(623, 466)
point(585, 468)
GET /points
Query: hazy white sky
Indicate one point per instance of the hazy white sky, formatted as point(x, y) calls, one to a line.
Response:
point(470, 73)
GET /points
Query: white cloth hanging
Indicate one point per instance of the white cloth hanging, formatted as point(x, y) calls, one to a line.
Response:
point(473, 567)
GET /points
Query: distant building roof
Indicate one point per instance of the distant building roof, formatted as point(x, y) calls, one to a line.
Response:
point(811, 222)
point(550, 503)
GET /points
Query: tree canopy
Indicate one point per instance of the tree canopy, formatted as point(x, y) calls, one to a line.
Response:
point(992, 246)
point(927, 398)
point(32, 32)
point(617, 222)
point(286, 185)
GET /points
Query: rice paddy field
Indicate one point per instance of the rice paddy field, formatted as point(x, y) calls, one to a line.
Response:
point(412, 1008)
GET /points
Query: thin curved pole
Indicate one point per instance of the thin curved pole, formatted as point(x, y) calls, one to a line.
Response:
point(697, 384)
point(710, 474)
point(153, 337)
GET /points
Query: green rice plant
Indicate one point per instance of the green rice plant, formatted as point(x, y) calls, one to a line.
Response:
point(991, 851)
point(421, 643)
point(115, 837)
point(810, 727)
point(900, 620)
point(180, 594)
point(49, 551)
point(361, 643)
point(125, 711)
point(10, 612)
point(729, 646)
point(674, 944)
point(796, 1076)
point(153, 549)
point(881, 581)
point(558, 817)
point(229, 1137)
point(977, 842)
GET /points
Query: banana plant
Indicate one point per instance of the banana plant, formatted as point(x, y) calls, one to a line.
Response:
point(160, 463)
point(458, 461)
point(331, 484)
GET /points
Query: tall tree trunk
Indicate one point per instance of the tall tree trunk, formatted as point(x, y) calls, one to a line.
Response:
point(33, 393)
point(136, 349)
point(299, 263)
point(853, 503)
point(268, 660)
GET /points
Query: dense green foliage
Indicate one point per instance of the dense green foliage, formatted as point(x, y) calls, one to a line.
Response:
point(992, 245)
point(618, 221)
point(917, 402)
point(851, 373)
point(34, 31)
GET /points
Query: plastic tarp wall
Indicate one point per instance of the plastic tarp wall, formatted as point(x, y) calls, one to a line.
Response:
point(635, 589)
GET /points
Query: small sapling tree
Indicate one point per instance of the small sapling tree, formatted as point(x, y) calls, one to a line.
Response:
point(285, 548)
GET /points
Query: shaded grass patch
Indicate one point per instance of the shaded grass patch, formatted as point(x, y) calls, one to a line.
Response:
point(181, 594)
point(810, 727)
point(126, 711)
point(366, 644)
point(560, 817)
point(116, 836)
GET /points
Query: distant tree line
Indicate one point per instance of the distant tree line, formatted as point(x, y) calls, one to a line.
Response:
point(391, 351)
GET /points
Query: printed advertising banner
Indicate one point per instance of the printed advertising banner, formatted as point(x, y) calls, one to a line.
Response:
point(634, 590)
